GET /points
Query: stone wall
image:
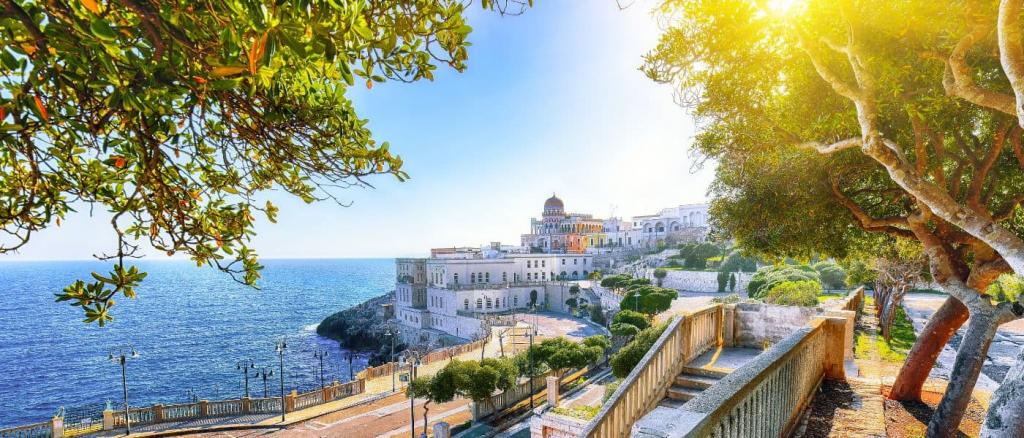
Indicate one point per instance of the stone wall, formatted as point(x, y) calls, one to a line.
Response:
point(701, 281)
point(755, 323)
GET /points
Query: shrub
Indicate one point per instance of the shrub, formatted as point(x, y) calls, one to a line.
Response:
point(1006, 288)
point(795, 293)
point(629, 356)
point(728, 299)
point(723, 281)
point(660, 275)
point(832, 275)
point(769, 276)
point(628, 323)
point(650, 300)
point(732, 282)
point(616, 281)
point(735, 262)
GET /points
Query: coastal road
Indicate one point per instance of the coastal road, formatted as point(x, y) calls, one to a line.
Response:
point(388, 417)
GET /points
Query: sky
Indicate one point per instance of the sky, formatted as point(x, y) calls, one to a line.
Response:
point(552, 102)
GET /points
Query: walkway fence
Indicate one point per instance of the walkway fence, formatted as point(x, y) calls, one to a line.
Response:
point(156, 414)
point(766, 396)
point(520, 392)
point(434, 356)
point(686, 337)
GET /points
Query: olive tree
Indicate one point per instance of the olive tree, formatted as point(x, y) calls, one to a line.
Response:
point(856, 118)
point(176, 117)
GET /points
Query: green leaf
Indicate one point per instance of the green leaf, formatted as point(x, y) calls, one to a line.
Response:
point(102, 30)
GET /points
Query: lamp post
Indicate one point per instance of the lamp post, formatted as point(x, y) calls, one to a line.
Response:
point(392, 332)
point(244, 366)
point(279, 348)
point(413, 360)
point(529, 356)
point(320, 353)
point(351, 373)
point(191, 395)
point(120, 355)
point(265, 373)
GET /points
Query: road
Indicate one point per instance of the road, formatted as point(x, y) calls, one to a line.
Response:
point(387, 417)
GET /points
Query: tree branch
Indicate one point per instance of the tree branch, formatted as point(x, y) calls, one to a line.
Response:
point(958, 80)
point(1011, 51)
point(826, 149)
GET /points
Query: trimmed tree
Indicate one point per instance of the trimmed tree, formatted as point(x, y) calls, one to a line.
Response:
point(649, 300)
point(899, 118)
point(659, 275)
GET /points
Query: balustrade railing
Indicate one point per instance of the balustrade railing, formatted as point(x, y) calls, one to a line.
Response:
point(685, 338)
point(265, 405)
point(38, 430)
point(180, 412)
point(138, 416)
point(308, 399)
point(223, 408)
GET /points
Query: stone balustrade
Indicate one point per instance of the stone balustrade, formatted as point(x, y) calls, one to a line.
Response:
point(764, 397)
point(686, 337)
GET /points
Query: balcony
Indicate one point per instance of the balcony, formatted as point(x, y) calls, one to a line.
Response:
point(493, 286)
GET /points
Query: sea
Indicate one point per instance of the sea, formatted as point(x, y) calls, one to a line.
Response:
point(192, 327)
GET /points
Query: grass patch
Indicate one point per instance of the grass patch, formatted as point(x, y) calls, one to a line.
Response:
point(579, 412)
point(895, 350)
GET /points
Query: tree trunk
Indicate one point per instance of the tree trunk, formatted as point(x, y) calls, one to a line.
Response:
point(1006, 411)
point(966, 369)
point(941, 327)
point(425, 417)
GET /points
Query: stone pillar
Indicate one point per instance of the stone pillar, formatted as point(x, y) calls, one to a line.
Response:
point(57, 427)
point(108, 420)
point(552, 382)
point(329, 392)
point(442, 430)
point(246, 405)
point(158, 413)
point(289, 401)
point(204, 408)
point(848, 336)
point(835, 340)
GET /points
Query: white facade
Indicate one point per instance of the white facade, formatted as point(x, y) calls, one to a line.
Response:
point(456, 290)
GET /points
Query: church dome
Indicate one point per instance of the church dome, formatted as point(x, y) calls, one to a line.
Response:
point(553, 204)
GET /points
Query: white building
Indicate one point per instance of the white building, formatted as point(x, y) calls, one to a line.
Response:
point(459, 286)
point(688, 222)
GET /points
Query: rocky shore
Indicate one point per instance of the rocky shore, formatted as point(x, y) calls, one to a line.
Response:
point(361, 328)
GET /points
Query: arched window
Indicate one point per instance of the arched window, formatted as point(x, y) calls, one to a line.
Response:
point(584, 274)
point(472, 277)
point(456, 278)
point(489, 303)
point(487, 277)
point(479, 303)
point(504, 277)
point(575, 274)
point(515, 300)
point(465, 304)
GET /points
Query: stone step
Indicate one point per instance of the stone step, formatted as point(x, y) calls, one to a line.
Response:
point(671, 403)
point(695, 381)
point(714, 372)
point(684, 394)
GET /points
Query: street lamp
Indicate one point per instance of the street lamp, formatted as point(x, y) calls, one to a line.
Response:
point(392, 332)
point(279, 348)
point(245, 365)
point(529, 356)
point(264, 373)
point(191, 395)
point(320, 353)
point(121, 354)
point(351, 376)
point(413, 360)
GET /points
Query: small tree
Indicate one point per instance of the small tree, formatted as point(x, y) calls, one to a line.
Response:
point(629, 356)
point(599, 342)
point(723, 281)
point(794, 293)
point(561, 355)
point(438, 389)
point(650, 300)
point(629, 323)
point(732, 282)
point(597, 315)
point(533, 298)
point(660, 275)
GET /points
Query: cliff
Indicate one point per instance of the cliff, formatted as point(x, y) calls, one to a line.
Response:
point(359, 327)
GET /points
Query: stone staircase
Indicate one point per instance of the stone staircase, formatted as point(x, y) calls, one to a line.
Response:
point(690, 383)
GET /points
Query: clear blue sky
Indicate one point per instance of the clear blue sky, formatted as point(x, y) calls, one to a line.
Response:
point(552, 101)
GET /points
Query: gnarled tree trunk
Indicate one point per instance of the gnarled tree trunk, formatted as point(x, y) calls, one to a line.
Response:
point(970, 357)
point(936, 334)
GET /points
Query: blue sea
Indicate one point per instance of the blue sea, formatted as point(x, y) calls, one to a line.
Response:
point(190, 325)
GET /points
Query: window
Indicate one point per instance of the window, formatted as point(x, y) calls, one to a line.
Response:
point(479, 303)
point(563, 262)
point(584, 274)
point(543, 276)
point(574, 261)
point(527, 264)
point(472, 277)
point(584, 261)
point(456, 278)
point(543, 263)
point(488, 277)
point(515, 300)
point(489, 306)
point(465, 304)
point(575, 274)
point(504, 277)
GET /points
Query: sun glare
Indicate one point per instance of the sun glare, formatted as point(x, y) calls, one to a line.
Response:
point(781, 7)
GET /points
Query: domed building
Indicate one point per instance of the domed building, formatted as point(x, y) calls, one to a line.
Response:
point(561, 232)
